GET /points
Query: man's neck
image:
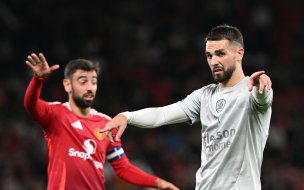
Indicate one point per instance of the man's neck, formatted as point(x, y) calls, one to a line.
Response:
point(236, 77)
point(81, 112)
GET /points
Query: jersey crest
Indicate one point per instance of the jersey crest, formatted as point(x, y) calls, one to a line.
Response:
point(99, 135)
point(220, 104)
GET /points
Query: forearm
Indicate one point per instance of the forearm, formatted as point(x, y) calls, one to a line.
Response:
point(32, 102)
point(155, 117)
point(132, 174)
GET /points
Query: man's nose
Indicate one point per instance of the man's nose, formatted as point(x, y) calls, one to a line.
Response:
point(214, 60)
point(90, 86)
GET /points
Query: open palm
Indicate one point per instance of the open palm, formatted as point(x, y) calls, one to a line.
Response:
point(39, 65)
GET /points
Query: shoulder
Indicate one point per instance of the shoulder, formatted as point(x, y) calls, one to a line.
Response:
point(56, 109)
point(205, 89)
point(56, 103)
point(210, 87)
point(96, 113)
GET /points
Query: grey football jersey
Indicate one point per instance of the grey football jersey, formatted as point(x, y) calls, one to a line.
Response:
point(234, 133)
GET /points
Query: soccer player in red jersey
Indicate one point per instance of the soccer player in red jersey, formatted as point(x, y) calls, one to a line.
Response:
point(76, 150)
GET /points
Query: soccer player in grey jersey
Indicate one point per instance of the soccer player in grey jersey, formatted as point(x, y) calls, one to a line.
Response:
point(234, 113)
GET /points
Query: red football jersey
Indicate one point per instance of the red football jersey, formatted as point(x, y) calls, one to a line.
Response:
point(76, 149)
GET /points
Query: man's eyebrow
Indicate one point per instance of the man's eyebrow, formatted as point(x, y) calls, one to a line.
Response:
point(81, 77)
point(216, 51)
point(219, 50)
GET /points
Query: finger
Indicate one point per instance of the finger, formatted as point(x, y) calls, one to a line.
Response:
point(269, 84)
point(35, 58)
point(28, 63)
point(262, 86)
point(110, 137)
point(30, 60)
point(257, 74)
point(172, 187)
point(250, 84)
point(106, 128)
point(252, 79)
point(266, 81)
point(54, 67)
point(41, 57)
point(119, 133)
point(44, 63)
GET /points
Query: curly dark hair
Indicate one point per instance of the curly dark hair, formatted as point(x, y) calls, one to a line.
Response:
point(81, 64)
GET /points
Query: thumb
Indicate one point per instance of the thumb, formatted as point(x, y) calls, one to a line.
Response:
point(250, 84)
point(54, 67)
point(119, 134)
point(120, 131)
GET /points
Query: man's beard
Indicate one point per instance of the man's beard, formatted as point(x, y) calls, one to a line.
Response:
point(227, 75)
point(80, 102)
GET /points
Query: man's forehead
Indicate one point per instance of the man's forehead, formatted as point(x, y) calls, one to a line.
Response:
point(216, 45)
point(83, 73)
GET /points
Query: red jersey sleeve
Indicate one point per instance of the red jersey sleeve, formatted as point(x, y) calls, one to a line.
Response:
point(132, 174)
point(125, 169)
point(36, 107)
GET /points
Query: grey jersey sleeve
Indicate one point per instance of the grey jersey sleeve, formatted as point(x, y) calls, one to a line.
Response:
point(263, 101)
point(155, 117)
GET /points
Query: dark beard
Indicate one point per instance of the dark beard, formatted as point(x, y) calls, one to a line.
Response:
point(82, 103)
point(227, 75)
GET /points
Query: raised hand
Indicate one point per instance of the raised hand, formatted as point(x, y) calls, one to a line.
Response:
point(39, 65)
point(119, 122)
point(261, 80)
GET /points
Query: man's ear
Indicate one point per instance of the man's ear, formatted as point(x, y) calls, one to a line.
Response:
point(67, 85)
point(240, 54)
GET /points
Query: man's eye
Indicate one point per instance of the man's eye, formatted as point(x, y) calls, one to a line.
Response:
point(221, 54)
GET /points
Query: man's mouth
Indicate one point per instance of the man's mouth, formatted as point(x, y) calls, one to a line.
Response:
point(217, 70)
point(88, 97)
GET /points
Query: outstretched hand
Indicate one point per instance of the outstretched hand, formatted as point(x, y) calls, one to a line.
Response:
point(261, 80)
point(119, 122)
point(165, 185)
point(39, 65)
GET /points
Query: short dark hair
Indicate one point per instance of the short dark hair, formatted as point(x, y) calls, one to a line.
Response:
point(225, 32)
point(80, 64)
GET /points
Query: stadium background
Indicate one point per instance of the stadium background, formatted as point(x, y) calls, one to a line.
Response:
point(151, 54)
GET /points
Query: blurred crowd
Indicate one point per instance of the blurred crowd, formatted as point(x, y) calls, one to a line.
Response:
point(151, 54)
